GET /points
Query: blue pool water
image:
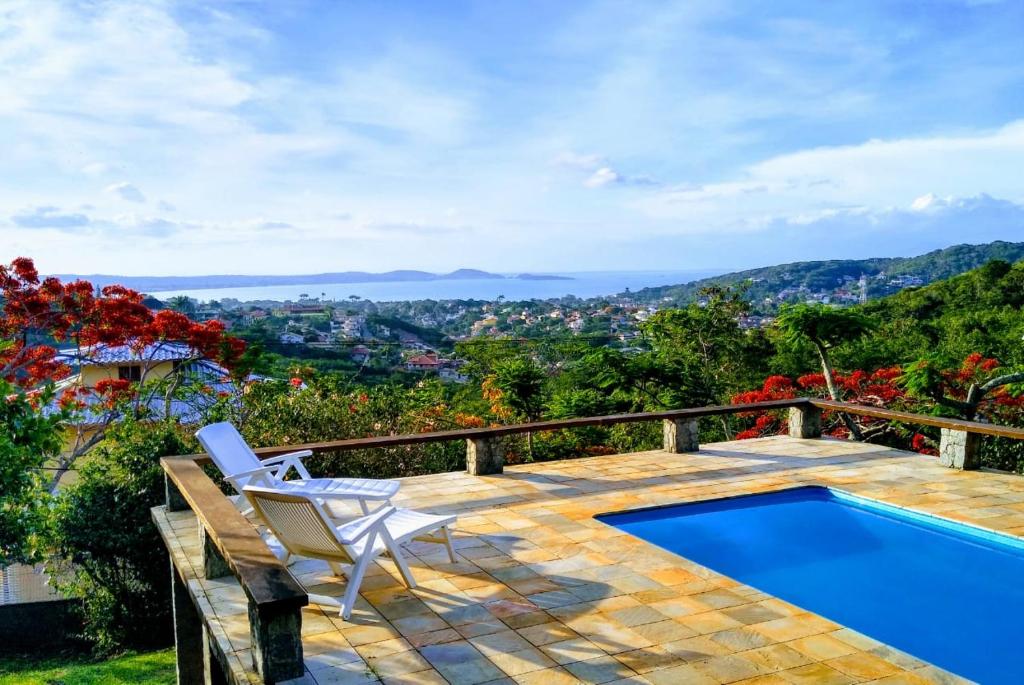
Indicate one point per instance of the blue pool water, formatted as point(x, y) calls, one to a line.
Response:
point(947, 593)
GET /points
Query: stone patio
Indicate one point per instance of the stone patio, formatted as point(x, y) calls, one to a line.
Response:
point(544, 593)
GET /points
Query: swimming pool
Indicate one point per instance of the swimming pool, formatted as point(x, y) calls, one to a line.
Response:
point(950, 594)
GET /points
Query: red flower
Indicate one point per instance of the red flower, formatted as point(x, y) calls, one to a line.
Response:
point(296, 382)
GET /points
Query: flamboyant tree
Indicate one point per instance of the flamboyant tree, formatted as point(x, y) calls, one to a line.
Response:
point(980, 386)
point(38, 315)
point(879, 388)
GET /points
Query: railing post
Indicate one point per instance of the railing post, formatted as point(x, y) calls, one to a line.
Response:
point(276, 642)
point(681, 435)
point(959, 449)
point(214, 565)
point(805, 421)
point(484, 456)
point(175, 502)
point(188, 634)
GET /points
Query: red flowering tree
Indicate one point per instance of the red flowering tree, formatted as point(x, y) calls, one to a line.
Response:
point(38, 315)
point(880, 388)
point(980, 388)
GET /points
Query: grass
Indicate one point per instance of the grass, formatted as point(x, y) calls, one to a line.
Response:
point(151, 668)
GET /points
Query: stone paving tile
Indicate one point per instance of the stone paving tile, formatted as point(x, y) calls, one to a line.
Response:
point(542, 593)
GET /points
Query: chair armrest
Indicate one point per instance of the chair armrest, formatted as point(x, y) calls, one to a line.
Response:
point(351, 532)
point(301, 454)
point(252, 472)
point(292, 460)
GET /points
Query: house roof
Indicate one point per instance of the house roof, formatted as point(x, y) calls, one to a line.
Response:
point(188, 409)
point(102, 355)
point(424, 360)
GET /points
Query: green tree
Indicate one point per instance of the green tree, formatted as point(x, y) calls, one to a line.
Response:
point(28, 438)
point(825, 328)
point(521, 382)
point(107, 551)
point(702, 343)
point(182, 303)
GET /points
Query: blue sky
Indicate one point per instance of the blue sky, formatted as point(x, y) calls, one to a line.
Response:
point(251, 137)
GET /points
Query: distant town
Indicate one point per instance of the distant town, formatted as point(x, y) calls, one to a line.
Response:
point(420, 337)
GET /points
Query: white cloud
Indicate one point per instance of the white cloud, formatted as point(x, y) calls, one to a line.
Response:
point(126, 191)
point(50, 217)
point(925, 223)
point(875, 175)
point(599, 171)
point(602, 177)
point(582, 162)
point(151, 226)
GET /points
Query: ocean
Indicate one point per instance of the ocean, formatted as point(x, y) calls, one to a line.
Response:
point(584, 284)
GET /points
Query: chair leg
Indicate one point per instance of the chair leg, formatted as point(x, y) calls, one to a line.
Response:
point(335, 568)
point(448, 543)
point(396, 555)
point(355, 580)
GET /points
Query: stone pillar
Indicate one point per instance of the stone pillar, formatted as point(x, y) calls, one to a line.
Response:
point(805, 421)
point(216, 669)
point(188, 634)
point(276, 643)
point(959, 449)
point(214, 565)
point(681, 435)
point(175, 502)
point(484, 456)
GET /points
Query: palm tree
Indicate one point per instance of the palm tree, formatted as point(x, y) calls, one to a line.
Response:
point(182, 303)
point(825, 327)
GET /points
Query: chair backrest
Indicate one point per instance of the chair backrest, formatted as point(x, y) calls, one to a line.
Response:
point(227, 448)
point(299, 523)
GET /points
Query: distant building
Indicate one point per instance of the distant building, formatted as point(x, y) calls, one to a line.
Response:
point(360, 354)
point(154, 362)
point(452, 375)
point(253, 316)
point(423, 362)
point(291, 339)
point(302, 309)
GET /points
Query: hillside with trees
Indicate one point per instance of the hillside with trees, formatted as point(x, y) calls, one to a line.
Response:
point(768, 287)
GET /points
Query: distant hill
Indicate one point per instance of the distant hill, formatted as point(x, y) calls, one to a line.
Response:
point(156, 284)
point(839, 280)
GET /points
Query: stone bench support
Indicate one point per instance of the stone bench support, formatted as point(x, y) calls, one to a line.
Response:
point(276, 643)
point(214, 565)
point(681, 435)
point(188, 634)
point(959, 449)
point(805, 422)
point(484, 456)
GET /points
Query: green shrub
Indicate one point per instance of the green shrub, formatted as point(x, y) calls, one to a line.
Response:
point(27, 439)
point(107, 550)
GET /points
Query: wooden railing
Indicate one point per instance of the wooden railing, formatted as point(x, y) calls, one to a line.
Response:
point(231, 545)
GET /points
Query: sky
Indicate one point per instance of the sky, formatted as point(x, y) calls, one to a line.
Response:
point(160, 138)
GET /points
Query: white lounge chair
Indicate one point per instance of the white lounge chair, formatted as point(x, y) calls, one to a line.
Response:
point(303, 527)
point(407, 525)
point(242, 467)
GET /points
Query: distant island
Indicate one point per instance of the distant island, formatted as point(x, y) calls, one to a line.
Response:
point(155, 284)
